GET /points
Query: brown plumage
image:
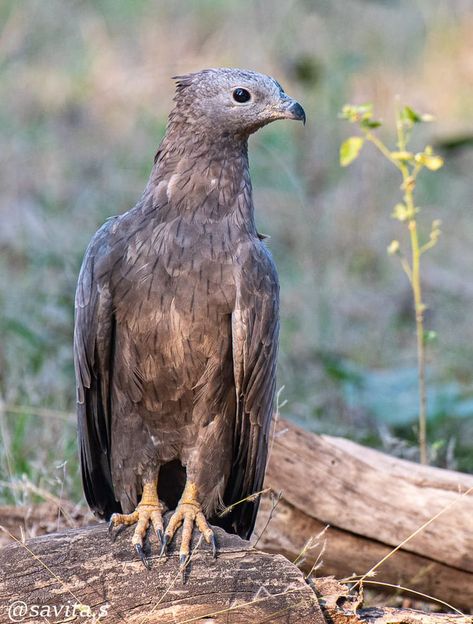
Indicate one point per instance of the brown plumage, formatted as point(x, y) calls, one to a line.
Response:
point(176, 327)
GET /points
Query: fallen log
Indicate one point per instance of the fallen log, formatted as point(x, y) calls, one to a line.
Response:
point(372, 502)
point(79, 574)
point(82, 569)
point(341, 606)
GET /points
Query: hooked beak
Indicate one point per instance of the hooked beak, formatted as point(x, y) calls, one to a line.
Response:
point(290, 109)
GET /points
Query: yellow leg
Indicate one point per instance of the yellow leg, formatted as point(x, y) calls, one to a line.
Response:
point(149, 510)
point(188, 513)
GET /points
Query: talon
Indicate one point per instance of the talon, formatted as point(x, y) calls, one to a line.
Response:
point(119, 531)
point(148, 512)
point(160, 536)
point(140, 552)
point(189, 514)
point(165, 541)
point(183, 561)
point(111, 533)
point(112, 523)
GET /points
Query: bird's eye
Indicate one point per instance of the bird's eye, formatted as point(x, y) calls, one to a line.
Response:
point(241, 95)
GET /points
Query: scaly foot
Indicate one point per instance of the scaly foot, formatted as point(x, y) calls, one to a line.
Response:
point(149, 511)
point(187, 513)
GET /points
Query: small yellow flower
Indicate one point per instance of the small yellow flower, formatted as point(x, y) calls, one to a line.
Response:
point(400, 212)
point(428, 159)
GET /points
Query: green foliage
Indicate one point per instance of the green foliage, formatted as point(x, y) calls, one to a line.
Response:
point(409, 164)
point(361, 115)
point(350, 149)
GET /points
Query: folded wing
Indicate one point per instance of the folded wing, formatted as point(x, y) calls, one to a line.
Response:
point(255, 329)
point(93, 352)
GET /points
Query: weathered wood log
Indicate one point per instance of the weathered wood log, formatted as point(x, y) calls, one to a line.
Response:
point(372, 503)
point(79, 574)
point(340, 606)
point(83, 567)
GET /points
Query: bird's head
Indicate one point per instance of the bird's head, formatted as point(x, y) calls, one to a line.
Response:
point(233, 101)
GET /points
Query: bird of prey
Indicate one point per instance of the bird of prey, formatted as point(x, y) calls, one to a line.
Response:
point(176, 327)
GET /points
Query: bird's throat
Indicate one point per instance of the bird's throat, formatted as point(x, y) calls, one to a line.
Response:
point(202, 176)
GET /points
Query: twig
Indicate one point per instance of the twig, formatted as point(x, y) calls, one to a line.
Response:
point(275, 500)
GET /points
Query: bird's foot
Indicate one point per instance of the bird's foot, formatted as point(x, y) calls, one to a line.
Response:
point(188, 513)
point(149, 511)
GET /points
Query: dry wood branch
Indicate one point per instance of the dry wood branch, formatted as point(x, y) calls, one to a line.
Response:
point(82, 566)
point(372, 502)
point(341, 607)
point(242, 586)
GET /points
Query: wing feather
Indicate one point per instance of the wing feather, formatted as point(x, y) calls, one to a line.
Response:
point(255, 330)
point(93, 355)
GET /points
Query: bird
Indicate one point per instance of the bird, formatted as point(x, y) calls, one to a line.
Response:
point(177, 324)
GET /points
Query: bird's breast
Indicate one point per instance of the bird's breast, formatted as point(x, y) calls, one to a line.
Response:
point(176, 277)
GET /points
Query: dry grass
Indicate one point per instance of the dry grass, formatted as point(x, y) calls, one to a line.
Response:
point(316, 543)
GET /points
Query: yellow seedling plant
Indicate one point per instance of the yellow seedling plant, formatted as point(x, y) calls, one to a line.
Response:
point(409, 164)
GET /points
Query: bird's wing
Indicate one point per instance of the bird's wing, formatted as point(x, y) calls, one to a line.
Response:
point(93, 350)
point(255, 329)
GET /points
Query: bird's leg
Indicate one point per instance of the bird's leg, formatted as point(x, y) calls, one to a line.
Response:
point(149, 511)
point(188, 512)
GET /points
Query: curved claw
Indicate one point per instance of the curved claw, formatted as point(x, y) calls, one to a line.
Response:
point(111, 533)
point(140, 552)
point(114, 535)
point(183, 561)
point(164, 542)
point(160, 535)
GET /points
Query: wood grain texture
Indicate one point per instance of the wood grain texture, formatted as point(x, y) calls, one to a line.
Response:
point(372, 502)
point(242, 585)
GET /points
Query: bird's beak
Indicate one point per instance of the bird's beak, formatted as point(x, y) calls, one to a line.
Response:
point(290, 109)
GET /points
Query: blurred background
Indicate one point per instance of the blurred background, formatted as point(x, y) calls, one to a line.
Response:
point(84, 94)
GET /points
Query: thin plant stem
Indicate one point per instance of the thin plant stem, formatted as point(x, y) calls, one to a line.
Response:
point(412, 272)
point(408, 589)
point(408, 184)
point(420, 334)
point(409, 165)
point(382, 148)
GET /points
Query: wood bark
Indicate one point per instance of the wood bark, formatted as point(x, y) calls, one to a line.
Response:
point(340, 606)
point(82, 569)
point(372, 503)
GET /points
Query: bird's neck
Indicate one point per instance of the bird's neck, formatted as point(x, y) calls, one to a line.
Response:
point(202, 178)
